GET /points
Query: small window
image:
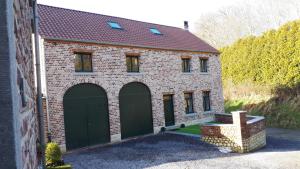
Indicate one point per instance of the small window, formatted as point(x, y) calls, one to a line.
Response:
point(188, 98)
point(114, 25)
point(21, 88)
point(206, 100)
point(83, 62)
point(155, 31)
point(186, 67)
point(203, 65)
point(132, 63)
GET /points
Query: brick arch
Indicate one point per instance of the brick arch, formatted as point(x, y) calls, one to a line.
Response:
point(67, 86)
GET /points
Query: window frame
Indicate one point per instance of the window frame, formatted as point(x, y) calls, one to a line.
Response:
point(205, 68)
point(183, 65)
point(206, 97)
point(129, 69)
point(191, 100)
point(81, 54)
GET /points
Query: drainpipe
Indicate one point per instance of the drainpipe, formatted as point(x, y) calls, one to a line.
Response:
point(38, 78)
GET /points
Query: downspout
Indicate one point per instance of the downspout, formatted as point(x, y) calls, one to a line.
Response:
point(38, 79)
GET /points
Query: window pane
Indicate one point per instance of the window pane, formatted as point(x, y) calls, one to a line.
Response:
point(203, 65)
point(78, 63)
point(128, 64)
point(87, 63)
point(135, 64)
point(188, 97)
point(132, 64)
point(155, 31)
point(206, 101)
point(114, 25)
point(186, 65)
point(83, 63)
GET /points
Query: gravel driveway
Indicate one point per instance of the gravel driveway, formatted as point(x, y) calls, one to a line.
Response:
point(175, 151)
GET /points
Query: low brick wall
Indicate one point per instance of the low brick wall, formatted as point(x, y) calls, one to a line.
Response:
point(239, 132)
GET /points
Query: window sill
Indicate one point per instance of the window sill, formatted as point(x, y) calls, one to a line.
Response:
point(191, 114)
point(208, 112)
point(84, 73)
point(187, 73)
point(134, 74)
point(204, 73)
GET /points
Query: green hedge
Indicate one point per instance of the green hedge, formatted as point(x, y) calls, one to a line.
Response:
point(61, 167)
point(270, 59)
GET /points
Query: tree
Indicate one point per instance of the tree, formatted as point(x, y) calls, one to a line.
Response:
point(251, 17)
point(272, 58)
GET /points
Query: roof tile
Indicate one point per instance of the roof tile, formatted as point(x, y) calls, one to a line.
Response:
point(67, 24)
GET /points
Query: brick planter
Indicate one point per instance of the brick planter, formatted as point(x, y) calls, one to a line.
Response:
point(239, 132)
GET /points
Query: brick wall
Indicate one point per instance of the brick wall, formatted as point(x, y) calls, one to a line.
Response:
point(244, 134)
point(223, 118)
point(160, 70)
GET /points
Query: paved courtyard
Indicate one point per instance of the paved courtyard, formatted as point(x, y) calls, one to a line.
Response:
point(164, 151)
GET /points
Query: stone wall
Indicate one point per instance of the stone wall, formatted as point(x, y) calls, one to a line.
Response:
point(25, 76)
point(160, 70)
point(18, 122)
point(243, 135)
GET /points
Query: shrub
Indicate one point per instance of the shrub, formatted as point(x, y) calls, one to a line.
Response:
point(53, 155)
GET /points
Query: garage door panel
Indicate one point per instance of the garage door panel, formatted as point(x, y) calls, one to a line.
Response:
point(98, 123)
point(76, 133)
point(135, 110)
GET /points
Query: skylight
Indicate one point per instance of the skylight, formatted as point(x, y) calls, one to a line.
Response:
point(114, 25)
point(155, 31)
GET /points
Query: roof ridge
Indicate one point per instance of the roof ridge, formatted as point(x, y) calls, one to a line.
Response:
point(108, 16)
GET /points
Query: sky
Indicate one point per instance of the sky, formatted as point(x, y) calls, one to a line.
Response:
point(166, 12)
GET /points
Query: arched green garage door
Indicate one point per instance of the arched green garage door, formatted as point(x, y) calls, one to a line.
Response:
point(86, 116)
point(135, 110)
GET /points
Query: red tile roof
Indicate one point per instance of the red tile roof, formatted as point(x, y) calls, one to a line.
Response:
point(71, 25)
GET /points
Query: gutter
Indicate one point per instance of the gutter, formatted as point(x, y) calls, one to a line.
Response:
point(39, 90)
point(123, 44)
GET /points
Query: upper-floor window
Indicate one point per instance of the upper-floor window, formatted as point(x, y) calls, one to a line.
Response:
point(206, 100)
point(186, 65)
point(203, 64)
point(83, 62)
point(189, 105)
point(132, 63)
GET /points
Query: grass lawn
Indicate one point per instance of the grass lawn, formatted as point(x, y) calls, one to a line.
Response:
point(193, 129)
point(67, 166)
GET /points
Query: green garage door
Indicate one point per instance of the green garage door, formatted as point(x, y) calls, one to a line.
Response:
point(135, 110)
point(86, 116)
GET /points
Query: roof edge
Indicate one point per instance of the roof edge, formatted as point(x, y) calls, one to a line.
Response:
point(124, 45)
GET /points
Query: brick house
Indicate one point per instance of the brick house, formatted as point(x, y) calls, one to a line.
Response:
point(109, 78)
